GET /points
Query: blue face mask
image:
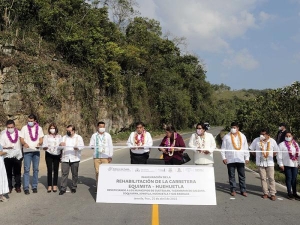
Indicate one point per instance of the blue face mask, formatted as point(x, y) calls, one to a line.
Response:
point(288, 138)
point(30, 124)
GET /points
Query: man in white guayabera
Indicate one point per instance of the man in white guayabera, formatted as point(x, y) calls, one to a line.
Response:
point(101, 141)
point(31, 137)
point(235, 154)
point(139, 143)
point(72, 144)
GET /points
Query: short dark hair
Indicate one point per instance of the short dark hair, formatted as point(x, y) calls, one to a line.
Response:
point(289, 132)
point(170, 129)
point(234, 124)
point(139, 123)
point(55, 127)
point(73, 127)
point(203, 125)
point(32, 116)
point(8, 122)
point(283, 125)
point(267, 130)
point(101, 122)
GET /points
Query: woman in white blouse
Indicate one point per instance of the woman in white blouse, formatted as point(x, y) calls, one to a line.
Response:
point(204, 141)
point(288, 161)
point(52, 156)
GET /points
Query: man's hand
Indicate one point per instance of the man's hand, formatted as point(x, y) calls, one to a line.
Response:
point(282, 168)
point(246, 161)
point(62, 144)
point(3, 153)
point(26, 145)
point(206, 152)
point(225, 161)
point(109, 160)
point(45, 148)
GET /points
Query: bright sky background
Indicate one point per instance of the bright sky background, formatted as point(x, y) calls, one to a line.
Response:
point(243, 43)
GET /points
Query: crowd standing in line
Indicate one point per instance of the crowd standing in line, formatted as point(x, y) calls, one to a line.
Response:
point(26, 144)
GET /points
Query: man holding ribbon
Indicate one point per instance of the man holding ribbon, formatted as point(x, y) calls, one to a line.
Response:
point(139, 143)
point(31, 137)
point(235, 154)
point(101, 141)
point(13, 159)
point(266, 149)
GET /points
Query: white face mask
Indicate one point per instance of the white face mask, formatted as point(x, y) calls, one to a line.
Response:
point(288, 138)
point(102, 129)
point(31, 124)
point(199, 131)
point(52, 131)
point(262, 137)
point(233, 130)
point(11, 130)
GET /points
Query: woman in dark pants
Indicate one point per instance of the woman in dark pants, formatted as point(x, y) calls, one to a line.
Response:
point(175, 147)
point(52, 156)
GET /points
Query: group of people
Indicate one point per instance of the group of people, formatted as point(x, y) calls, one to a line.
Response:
point(235, 153)
point(26, 145)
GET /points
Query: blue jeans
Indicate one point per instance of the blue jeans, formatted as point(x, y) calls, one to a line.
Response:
point(240, 167)
point(291, 179)
point(29, 157)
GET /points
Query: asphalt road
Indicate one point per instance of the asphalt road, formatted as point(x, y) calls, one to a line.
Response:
point(80, 208)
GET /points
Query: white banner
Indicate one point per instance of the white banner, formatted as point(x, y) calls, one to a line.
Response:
point(156, 184)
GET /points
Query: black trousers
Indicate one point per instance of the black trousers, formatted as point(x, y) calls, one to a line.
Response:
point(139, 158)
point(52, 162)
point(173, 161)
point(13, 166)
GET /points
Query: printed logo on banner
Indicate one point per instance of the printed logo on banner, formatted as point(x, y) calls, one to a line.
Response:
point(119, 169)
point(179, 170)
point(161, 169)
point(170, 170)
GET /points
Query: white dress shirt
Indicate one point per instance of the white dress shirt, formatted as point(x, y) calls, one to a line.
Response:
point(6, 143)
point(105, 149)
point(260, 159)
point(236, 156)
point(148, 142)
point(25, 134)
point(52, 142)
point(283, 157)
point(69, 154)
point(209, 145)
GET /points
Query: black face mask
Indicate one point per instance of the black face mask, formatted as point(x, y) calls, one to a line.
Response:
point(69, 133)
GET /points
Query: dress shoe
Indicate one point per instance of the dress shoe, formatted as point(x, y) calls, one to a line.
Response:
point(62, 192)
point(233, 193)
point(18, 190)
point(273, 197)
point(297, 197)
point(291, 197)
point(73, 191)
point(26, 192)
point(48, 191)
point(244, 194)
point(34, 190)
point(54, 190)
point(265, 196)
point(10, 190)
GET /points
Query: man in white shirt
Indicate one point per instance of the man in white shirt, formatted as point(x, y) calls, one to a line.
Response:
point(13, 159)
point(265, 162)
point(72, 144)
point(101, 141)
point(139, 143)
point(31, 137)
point(235, 154)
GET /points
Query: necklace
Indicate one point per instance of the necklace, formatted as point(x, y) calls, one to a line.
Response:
point(100, 138)
point(168, 144)
point(139, 141)
point(36, 132)
point(233, 141)
point(200, 141)
point(288, 145)
point(16, 137)
point(265, 153)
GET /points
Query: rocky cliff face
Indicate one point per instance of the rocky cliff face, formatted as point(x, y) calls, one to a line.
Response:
point(47, 87)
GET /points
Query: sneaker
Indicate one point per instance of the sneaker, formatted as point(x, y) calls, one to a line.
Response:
point(273, 197)
point(62, 192)
point(18, 190)
point(73, 191)
point(26, 192)
point(297, 197)
point(34, 190)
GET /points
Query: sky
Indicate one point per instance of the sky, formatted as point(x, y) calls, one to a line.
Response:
point(245, 44)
